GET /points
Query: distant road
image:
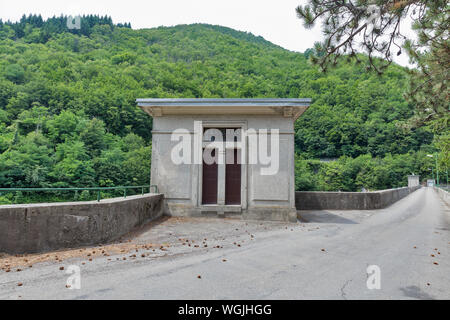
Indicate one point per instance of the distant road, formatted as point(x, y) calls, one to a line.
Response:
point(283, 261)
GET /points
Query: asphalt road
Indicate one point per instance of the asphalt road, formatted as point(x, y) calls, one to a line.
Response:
point(324, 257)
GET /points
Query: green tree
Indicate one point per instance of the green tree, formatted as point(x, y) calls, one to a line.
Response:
point(28, 162)
point(15, 73)
point(93, 136)
point(375, 26)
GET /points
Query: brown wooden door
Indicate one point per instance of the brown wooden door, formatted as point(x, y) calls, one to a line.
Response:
point(233, 178)
point(209, 186)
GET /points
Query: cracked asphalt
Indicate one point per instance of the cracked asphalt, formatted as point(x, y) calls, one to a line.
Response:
point(323, 256)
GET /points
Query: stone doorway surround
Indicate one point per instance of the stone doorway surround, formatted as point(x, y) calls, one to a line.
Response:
point(221, 208)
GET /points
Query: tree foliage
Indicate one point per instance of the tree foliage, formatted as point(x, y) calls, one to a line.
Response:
point(361, 173)
point(376, 28)
point(68, 115)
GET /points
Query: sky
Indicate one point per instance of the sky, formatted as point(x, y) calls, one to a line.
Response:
point(276, 21)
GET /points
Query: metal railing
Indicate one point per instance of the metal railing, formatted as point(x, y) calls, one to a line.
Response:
point(98, 189)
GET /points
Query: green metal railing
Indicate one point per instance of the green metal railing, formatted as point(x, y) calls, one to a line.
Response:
point(98, 189)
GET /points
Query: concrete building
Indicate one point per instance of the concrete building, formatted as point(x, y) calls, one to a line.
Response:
point(413, 181)
point(225, 156)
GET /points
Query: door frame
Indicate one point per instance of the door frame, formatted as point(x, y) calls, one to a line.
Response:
point(238, 124)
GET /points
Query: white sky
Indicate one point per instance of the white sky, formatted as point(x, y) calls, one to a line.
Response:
point(276, 21)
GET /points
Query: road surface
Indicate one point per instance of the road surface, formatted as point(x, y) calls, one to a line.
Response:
point(325, 256)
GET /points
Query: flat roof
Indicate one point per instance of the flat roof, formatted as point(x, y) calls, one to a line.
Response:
point(271, 102)
point(292, 108)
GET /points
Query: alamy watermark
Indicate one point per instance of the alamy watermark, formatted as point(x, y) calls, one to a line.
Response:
point(374, 19)
point(211, 145)
point(73, 23)
point(74, 280)
point(373, 277)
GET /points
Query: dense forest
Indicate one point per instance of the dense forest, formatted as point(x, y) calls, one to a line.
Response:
point(68, 116)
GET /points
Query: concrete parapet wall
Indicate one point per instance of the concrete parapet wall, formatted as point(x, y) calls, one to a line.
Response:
point(42, 227)
point(309, 200)
point(445, 195)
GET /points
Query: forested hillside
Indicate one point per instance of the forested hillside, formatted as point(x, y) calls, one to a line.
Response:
point(68, 115)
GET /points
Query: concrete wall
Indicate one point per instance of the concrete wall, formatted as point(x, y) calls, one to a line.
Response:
point(445, 195)
point(49, 226)
point(306, 200)
point(181, 184)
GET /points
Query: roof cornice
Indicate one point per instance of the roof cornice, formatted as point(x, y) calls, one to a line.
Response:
point(289, 108)
point(272, 102)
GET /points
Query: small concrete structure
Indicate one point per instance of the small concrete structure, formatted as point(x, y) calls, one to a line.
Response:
point(31, 228)
point(413, 181)
point(257, 135)
point(430, 183)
